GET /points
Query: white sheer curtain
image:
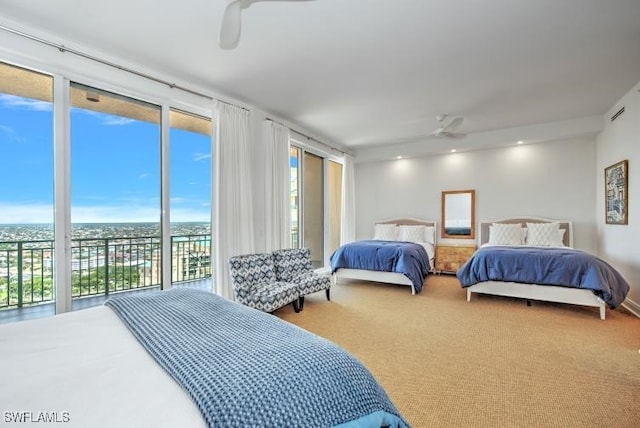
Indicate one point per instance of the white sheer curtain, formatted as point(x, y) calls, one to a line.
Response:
point(277, 186)
point(233, 212)
point(348, 229)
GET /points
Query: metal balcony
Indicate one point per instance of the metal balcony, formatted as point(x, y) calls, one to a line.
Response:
point(100, 267)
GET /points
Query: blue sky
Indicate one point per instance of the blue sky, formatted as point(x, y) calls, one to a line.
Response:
point(115, 167)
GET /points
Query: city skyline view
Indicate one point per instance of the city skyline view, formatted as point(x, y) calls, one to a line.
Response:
point(115, 167)
point(29, 232)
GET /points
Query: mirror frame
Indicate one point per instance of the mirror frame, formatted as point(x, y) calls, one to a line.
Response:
point(472, 234)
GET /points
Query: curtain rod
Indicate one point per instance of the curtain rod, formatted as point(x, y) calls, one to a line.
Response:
point(233, 105)
point(309, 138)
point(63, 49)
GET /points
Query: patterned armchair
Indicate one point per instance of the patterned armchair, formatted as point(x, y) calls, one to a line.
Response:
point(294, 265)
point(255, 285)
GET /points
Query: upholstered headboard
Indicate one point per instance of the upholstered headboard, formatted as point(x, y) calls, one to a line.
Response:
point(564, 224)
point(411, 222)
point(408, 222)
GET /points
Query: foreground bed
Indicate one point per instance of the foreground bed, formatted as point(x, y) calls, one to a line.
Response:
point(402, 252)
point(199, 360)
point(540, 264)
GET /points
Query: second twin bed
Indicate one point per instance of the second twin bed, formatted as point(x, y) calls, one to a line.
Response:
point(527, 257)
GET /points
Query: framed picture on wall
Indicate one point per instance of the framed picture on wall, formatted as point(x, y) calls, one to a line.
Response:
point(616, 183)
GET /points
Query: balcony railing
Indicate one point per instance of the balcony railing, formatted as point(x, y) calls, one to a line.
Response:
point(98, 266)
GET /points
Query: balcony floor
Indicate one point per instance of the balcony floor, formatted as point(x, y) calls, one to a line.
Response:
point(48, 309)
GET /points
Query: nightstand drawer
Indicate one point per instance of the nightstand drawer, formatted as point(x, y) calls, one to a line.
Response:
point(449, 258)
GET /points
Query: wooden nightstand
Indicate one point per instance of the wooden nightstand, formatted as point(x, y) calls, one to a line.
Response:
point(449, 258)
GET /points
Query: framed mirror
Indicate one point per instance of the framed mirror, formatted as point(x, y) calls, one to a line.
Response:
point(458, 214)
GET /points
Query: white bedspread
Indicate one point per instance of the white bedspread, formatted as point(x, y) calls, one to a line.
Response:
point(87, 364)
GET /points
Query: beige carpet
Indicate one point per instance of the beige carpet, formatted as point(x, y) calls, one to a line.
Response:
point(491, 362)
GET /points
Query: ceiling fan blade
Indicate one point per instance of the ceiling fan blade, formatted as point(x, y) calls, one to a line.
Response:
point(231, 24)
point(231, 21)
point(454, 124)
point(437, 132)
point(453, 135)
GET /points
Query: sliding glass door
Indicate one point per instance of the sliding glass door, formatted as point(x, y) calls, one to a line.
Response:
point(107, 153)
point(334, 204)
point(316, 203)
point(313, 207)
point(115, 194)
point(190, 194)
point(26, 194)
point(295, 155)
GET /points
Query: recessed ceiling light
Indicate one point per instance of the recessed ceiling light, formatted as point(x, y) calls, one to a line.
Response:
point(398, 157)
point(520, 142)
point(453, 150)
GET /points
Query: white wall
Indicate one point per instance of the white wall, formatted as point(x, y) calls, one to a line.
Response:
point(554, 180)
point(619, 244)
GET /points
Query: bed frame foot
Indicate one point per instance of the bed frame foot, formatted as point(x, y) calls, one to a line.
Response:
point(468, 295)
point(528, 302)
point(602, 312)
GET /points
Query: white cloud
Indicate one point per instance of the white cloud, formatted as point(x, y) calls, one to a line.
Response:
point(189, 201)
point(11, 134)
point(12, 101)
point(25, 213)
point(125, 212)
point(116, 120)
point(115, 214)
point(197, 157)
point(106, 119)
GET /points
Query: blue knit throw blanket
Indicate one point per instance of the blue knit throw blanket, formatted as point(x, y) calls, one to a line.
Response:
point(245, 368)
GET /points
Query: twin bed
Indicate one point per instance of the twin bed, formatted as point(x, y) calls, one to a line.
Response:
point(528, 258)
point(183, 358)
point(401, 252)
point(533, 258)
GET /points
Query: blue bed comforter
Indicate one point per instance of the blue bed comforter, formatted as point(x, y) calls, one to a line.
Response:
point(407, 258)
point(245, 368)
point(546, 266)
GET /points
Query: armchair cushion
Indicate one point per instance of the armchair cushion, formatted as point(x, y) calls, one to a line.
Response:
point(254, 283)
point(251, 269)
point(291, 263)
point(268, 297)
point(294, 265)
point(311, 282)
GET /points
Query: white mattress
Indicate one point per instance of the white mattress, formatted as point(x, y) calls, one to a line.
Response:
point(87, 363)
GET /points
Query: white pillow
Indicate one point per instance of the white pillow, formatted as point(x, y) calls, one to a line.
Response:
point(545, 235)
point(385, 232)
point(506, 234)
point(430, 234)
point(413, 233)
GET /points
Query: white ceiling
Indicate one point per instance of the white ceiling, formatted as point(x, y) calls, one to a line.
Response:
point(371, 72)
